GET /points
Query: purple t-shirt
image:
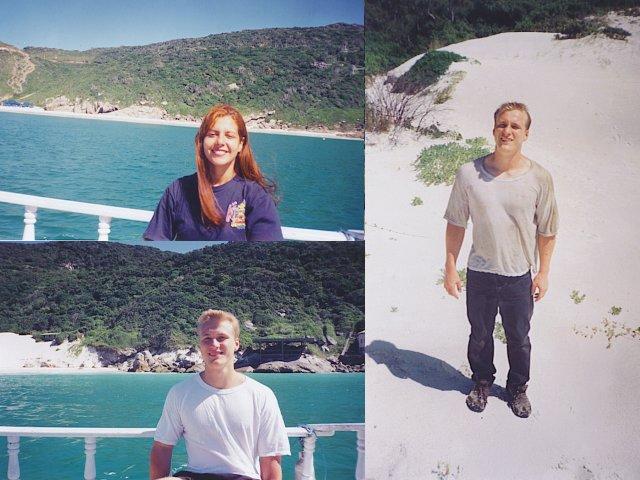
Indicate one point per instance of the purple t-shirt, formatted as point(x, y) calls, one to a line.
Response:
point(250, 213)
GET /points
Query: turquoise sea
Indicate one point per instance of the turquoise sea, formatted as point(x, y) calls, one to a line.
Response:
point(320, 182)
point(136, 400)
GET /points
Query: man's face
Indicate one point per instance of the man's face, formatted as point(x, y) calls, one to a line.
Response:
point(218, 343)
point(510, 131)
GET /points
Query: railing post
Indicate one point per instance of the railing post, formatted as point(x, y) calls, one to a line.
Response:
point(104, 228)
point(90, 462)
point(30, 218)
point(304, 466)
point(360, 448)
point(13, 448)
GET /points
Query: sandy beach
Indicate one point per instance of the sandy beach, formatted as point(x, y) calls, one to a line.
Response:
point(585, 425)
point(119, 117)
point(22, 354)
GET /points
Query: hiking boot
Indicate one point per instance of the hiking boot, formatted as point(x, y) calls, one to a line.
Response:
point(477, 398)
point(519, 402)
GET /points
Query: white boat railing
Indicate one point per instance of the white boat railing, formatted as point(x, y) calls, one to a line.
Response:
point(106, 213)
point(304, 469)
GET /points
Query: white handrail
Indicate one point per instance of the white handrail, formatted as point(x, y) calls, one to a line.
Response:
point(304, 469)
point(105, 213)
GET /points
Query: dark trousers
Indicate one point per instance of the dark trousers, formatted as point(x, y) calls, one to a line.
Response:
point(488, 294)
point(186, 475)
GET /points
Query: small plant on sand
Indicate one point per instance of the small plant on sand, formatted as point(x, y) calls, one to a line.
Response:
point(416, 201)
point(498, 333)
point(434, 131)
point(462, 273)
point(445, 94)
point(438, 164)
point(610, 329)
point(615, 310)
point(444, 471)
point(576, 297)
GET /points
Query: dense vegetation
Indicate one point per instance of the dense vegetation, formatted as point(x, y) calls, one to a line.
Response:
point(308, 76)
point(398, 30)
point(133, 296)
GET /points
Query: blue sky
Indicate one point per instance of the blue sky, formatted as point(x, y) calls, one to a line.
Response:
point(85, 24)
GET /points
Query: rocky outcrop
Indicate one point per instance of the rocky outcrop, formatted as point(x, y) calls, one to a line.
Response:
point(305, 364)
point(63, 104)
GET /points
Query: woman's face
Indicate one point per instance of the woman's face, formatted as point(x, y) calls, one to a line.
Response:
point(222, 143)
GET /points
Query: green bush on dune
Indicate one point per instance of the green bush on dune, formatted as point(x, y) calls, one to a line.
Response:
point(425, 72)
point(438, 164)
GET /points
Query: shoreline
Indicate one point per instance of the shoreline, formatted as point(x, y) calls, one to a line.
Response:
point(23, 355)
point(351, 135)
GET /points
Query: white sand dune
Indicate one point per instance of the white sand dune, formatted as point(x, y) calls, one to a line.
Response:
point(583, 96)
point(22, 354)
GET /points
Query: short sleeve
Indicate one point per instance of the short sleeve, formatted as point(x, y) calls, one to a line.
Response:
point(546, 217)
point(272, 436)
point(161, 225)
point(457, 212)
point(263, 221)
point(170, 428)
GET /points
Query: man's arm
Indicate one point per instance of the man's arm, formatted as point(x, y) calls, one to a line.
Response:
point(453, 241)
point(270, 468)
point(540, 283)
point(160, 460)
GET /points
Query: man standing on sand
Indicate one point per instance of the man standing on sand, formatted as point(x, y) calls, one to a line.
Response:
point(512, 206)
point(232, 425)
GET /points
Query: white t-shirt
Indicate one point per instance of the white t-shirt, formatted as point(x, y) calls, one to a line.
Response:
point(225, 430)
point(507, 216)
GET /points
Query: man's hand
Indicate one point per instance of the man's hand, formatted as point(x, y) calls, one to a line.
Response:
point(539, 286)
point(270, 468)
point(452, 282)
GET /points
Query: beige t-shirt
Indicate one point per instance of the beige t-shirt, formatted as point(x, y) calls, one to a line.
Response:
point(507, 215)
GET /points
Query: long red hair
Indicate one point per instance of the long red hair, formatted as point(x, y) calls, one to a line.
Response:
point(245, 164)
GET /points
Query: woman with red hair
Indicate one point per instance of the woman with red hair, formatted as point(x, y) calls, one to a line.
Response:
point(227, 198)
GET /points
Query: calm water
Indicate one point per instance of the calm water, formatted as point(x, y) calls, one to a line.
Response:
point(321, 182)
point(135, 400)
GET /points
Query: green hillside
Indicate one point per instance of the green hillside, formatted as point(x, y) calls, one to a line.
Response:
point(308, 76)
point(133, 296)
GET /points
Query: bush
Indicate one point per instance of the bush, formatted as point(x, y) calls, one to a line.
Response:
point(573, 29)
point(438, 164)
point(375, 120)
point(615, 33)
point(425, 72)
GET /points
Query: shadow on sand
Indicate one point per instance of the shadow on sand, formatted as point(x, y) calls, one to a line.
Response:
point(424, 369)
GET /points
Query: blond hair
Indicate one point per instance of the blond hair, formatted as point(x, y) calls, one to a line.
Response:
point(508, 106)
point(220, 315)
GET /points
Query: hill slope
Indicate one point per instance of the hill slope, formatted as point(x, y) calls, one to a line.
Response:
point(308, 76)
point(119, 295)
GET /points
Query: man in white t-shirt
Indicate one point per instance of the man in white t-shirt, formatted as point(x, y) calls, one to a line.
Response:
point(512, 206)
point(231, 424)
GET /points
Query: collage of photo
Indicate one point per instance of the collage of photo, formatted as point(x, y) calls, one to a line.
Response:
point(319, 240)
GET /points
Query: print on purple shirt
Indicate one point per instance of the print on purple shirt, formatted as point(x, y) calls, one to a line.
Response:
point(250, 213)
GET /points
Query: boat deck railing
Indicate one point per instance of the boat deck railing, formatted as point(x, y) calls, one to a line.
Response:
point(304, 469)
point(106, 213)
